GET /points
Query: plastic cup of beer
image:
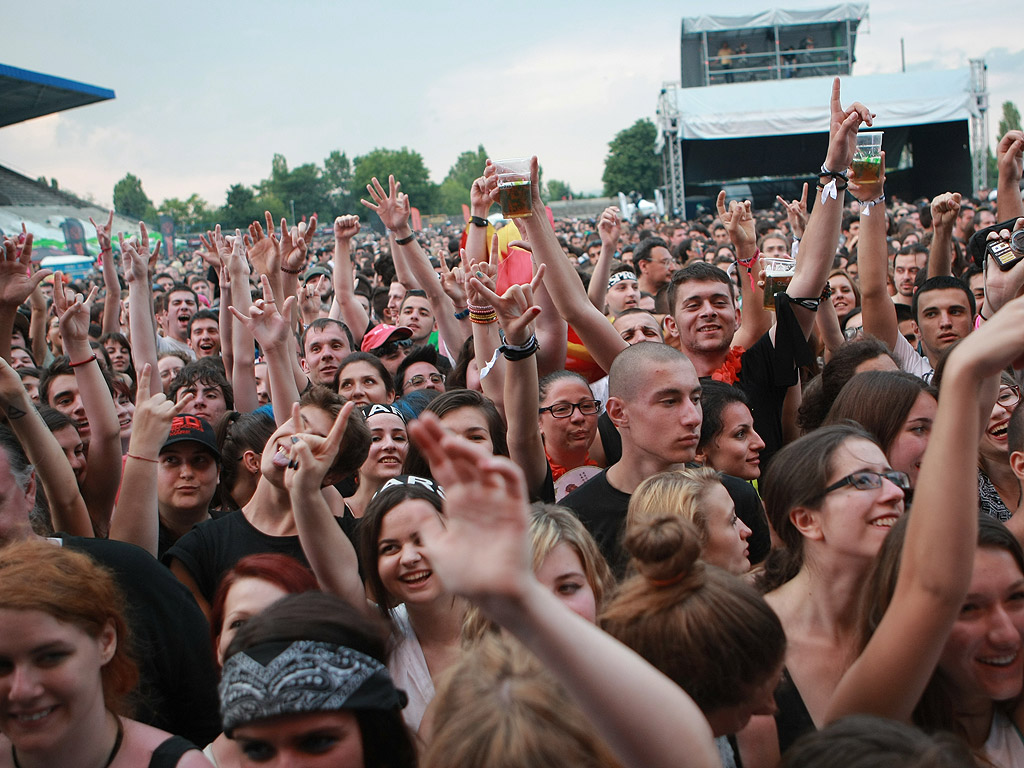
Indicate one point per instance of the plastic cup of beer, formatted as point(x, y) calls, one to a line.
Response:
point(514, 193)
point(867, 158)
point(778, 272)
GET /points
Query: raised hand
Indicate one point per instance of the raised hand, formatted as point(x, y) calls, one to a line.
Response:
point(609, 227)
point(738, 221)
point(265, 249)
point(945, 209)
point(482, 551)
point(392, 207)
point(73, 309)
point(1001, 287)
point(796, 212)
point(453, 280)
point(265, 321)
point(310, 457)
point(215, 248)
point(346, 227)
point(295, 244)
point(516, 310)
point(103, 233)
point(479, 201)
point(1010, 155)
point(136, 267)
point(17, 281)
point(235, 261)
point(866, 191)
point(842, 130)
point(153, 416)
point(486, 274)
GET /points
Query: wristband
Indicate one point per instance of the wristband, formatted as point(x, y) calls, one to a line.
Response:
point(82, 362)
point(405, 240)
point(142, 458)
point(832, 189)
point(291, 271)
point(866, 211)
point(513, 352)
point(462, 314)
point(483, 319)
point(478, 221)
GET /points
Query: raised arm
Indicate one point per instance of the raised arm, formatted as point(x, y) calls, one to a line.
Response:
point(17, 281)
point(873, 259)
point(138, 262)
point(67, 507)
point(479, 206)
point(563, 284)
point(104, 465)
point(136, 518)
point(739, 223)
point(938, 552)
point(325, 545)
point(243, 353)
point(516, 313)
point(111, 285)
point(1009, 159)
point(345, 307)
point(482, 553)
point(272, 330)
point(818, 247)
point(1001, 287)
point(609, 230)
point(945, 209)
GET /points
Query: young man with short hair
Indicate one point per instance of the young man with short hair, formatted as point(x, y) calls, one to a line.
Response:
point(204, 334)
point(325, 343)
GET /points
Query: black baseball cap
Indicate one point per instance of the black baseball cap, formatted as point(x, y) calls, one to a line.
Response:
point(188, 427)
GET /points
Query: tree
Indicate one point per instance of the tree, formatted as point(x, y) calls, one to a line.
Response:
point(338, 183)
point(192, 215)
point(559, 190)
point(406, 165)
point(1010, 120)
point(303, 185)
point(243, 207)
point(130, 200)
point(454, 190)
point(632, 164)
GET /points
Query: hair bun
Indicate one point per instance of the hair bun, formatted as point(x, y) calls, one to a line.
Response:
point(666, 550)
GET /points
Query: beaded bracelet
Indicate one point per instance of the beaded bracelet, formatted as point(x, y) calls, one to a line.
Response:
point(462, 314)
point(291, 271)
point(483, 319)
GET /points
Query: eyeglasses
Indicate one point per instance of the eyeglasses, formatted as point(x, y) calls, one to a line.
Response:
point(1008, 396)
point(866, 480)
point(565, 410)
point(420, 378)
point(853, 333)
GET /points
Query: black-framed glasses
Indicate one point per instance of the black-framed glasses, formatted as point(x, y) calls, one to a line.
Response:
point(1009, 395)
point(420, 378)
point(866, 480)
point(564, 410)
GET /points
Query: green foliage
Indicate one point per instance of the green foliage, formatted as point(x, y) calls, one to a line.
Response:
point(1010, 120)
point(244, 206)
point(192, 215)
point(338, 184)
point(454, 190)
point(130, 200)
point(304, 185)
point(632, 164)
point(407, 167)
point(559, 190)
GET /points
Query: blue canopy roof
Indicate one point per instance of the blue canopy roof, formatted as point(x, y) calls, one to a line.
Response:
point(25, 94)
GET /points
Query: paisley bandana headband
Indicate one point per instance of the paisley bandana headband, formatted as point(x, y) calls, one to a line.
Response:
point(275, 679)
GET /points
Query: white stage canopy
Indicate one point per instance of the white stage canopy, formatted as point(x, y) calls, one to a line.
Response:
point(836, 13)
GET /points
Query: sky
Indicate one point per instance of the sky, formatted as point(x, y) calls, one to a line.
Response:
point(208, 92)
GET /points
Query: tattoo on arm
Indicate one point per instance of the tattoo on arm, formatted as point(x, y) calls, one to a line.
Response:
point(14, 412)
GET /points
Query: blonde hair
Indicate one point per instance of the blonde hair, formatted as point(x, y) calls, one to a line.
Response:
point(551, 525)
point(498, 706)
point(678, 492)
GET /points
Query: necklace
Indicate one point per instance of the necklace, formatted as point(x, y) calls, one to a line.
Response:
point(113, 752)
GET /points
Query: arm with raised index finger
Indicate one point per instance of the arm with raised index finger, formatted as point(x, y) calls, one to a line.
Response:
point(136, 517)
point(52, 469)
point(16, 284)
point(755, 320)
point(345, 307)
point(104, 475)
point(873, 260)
point(482, 553)
point(821, 238)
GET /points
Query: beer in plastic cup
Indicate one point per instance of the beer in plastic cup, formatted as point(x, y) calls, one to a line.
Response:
point(867, 158)
point(778, 272)
point(514, 193)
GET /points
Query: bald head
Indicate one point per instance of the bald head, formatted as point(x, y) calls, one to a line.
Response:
point(628, 374)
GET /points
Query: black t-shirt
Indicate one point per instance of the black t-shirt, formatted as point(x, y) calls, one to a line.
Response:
point(757, 380)
point(602, 510)
point(213, 547)
point(170, 640)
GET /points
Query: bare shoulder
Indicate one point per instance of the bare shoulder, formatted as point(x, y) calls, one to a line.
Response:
point(139, 742)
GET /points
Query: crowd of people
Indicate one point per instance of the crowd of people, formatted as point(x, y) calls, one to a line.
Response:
point(551, 492)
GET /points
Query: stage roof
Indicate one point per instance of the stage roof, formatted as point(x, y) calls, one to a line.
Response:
point(25, 94)
point(800, 105)
point(777, 17)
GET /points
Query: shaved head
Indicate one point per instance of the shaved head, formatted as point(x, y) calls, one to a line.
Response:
point(627, 377)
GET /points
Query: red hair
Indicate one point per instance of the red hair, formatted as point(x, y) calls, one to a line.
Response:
point(280, 570)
